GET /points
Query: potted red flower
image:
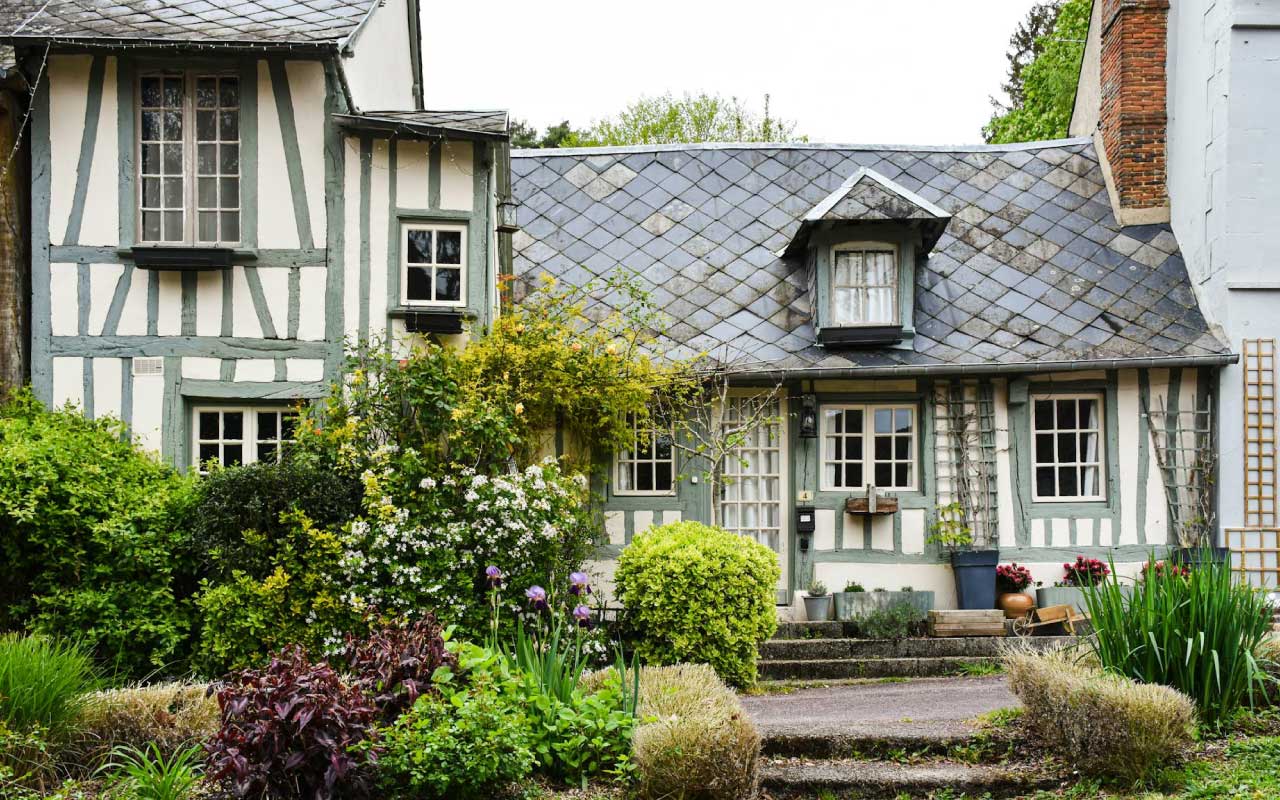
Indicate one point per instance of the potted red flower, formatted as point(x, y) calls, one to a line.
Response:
point(1011, 583)
point(1075, 575)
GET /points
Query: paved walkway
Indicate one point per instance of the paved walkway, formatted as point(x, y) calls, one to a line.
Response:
point(930, 708)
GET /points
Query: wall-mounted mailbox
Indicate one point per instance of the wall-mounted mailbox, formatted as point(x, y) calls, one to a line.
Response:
point(805, 519)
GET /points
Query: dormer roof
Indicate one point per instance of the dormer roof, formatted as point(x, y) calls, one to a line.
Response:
point(868, 196)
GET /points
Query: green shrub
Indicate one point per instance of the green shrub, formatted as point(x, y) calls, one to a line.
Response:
point(1197, 630)
point(693, 593)
point(301, 601)
point(253, 498)
point(694, 740)
point(587, 736)
point(894, 622)
point(170, 716)
point(466, 744)
point(1102, 723)
point(26, 763)
point(90, 545)
point(42, 682)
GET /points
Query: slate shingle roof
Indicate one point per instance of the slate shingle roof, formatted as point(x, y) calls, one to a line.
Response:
point(204, 22)
point(480, 124)
point(1032, 266)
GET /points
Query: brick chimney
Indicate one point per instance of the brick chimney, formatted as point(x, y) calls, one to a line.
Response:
point(1133, 118)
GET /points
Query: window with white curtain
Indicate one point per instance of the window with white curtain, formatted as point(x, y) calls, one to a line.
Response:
point(1067, 448)
point(864, 284)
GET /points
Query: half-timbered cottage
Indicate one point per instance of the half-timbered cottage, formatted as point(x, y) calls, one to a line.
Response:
point(224, 193)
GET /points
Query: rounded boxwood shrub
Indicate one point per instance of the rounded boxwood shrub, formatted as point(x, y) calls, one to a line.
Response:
point(694, 593)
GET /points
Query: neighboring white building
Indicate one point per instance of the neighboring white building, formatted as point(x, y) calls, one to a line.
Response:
point(1215, 97)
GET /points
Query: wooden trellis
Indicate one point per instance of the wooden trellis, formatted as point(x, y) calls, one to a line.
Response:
point(1187, 456)
point(1255, 547)
point(965, 414)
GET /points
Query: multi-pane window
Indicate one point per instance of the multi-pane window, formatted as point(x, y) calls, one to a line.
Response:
point(432, 269)
point(753, 482)
point(864, 445)
point(864, 285)
point(234, 436)
point(648, 467)
point(1067, 447)
point(189, 158)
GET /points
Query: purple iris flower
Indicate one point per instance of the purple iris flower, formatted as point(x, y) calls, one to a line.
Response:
point(537, 597)
point(583, 615)
point(581, 584)
point(494, 576)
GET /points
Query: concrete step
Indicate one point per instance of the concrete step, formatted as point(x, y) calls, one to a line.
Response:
point(828, 649)
point(881, 779)
point(836, 668)
point(825, 743)
point(810, 630)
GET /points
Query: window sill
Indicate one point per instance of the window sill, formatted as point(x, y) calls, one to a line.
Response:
point(861, 335)
point(185, 258)
point(431, 319)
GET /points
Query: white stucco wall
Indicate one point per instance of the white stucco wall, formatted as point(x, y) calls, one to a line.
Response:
point(1224, 145)
point(380, 71)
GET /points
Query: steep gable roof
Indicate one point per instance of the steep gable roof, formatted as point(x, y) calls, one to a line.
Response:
point(284, 23)
point(1032, 266)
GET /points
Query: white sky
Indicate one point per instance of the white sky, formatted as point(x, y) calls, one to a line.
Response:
point(852, 71)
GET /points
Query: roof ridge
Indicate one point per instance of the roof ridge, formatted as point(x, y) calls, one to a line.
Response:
point(919, 148)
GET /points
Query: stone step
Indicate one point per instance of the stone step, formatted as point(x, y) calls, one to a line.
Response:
point(832, 744)
point(836, 668)
point(809, 630)
point(881, 779)
point(827, 649)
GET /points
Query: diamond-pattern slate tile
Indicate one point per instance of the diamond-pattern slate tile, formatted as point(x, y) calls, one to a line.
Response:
point(250, 21)
point(1032, 265)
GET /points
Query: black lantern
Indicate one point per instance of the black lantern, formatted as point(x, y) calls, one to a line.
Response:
point(808, 417)
point(507, 215)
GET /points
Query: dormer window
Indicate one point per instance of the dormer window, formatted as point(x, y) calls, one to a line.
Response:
point(861, 244)
point(864, 284)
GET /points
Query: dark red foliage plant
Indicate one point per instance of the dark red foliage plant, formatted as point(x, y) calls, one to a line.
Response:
point(393, 665)
point(289, 731)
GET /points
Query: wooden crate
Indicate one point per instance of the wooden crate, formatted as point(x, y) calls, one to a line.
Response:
point(966, 623)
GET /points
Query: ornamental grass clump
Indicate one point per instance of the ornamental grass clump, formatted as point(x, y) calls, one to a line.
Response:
point(1103, 724)
point(1197, 630)
point(697, 594)
point(167, 716)
point(42, 682)
point(694, 741)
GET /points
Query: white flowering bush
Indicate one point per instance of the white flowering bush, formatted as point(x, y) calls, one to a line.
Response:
point(426, 549)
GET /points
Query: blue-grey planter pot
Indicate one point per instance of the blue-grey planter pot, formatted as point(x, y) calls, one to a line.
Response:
point(1068, 595)
point(975, 572)
point(854, 605)
point(817, 609)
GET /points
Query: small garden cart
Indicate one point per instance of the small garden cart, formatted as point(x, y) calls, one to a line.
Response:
point(1050, 620)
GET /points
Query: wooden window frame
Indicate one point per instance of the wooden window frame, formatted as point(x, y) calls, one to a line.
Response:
point(249, 439)
point(462, 266)
point(896, 287)
point(868, 434)
point(1100, 460)
point(624, 460)
point(190, 163)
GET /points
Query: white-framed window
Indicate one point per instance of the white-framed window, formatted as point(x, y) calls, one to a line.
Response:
point(188, 132)
point(240, 435)
point(869, 445)
point(433, 264)
point(864, 284)
point(649, 466)
point(1067, 447)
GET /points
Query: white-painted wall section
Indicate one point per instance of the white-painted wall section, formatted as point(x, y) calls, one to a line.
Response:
point(381, 51)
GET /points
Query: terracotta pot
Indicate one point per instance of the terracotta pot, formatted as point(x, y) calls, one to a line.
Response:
point(1015, 604)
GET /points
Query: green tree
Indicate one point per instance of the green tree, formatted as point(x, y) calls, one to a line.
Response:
point(524, 135)
point(701, 117)
point(1042, 89)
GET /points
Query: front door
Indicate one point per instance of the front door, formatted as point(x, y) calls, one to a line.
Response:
point(753, 486)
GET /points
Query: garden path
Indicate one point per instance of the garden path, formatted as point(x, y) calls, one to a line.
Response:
point(925, 709)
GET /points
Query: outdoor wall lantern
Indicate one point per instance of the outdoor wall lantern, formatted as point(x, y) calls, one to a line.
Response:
point(808, 417)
